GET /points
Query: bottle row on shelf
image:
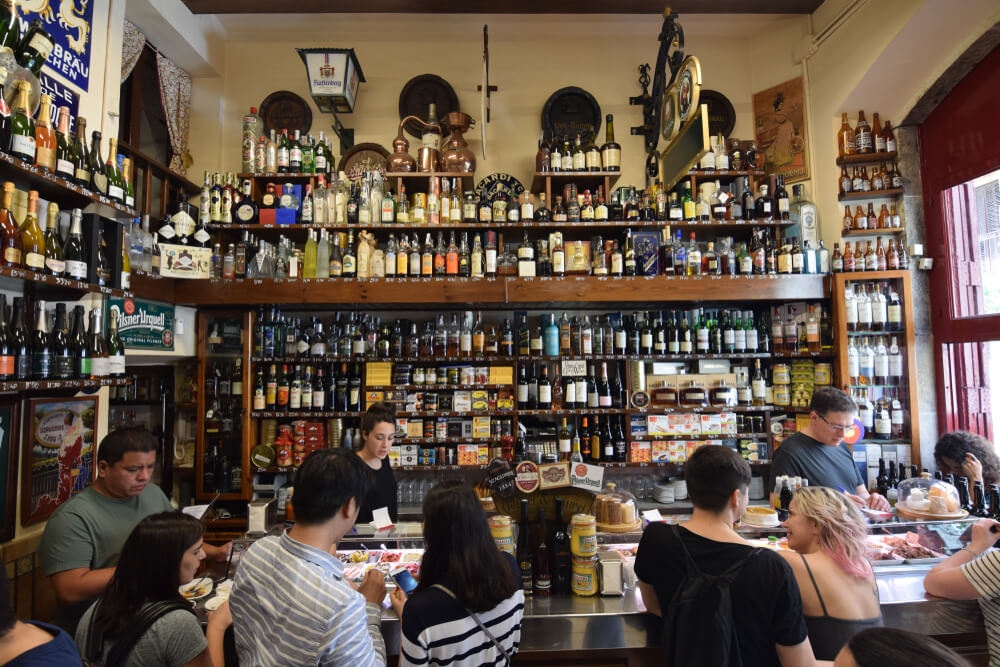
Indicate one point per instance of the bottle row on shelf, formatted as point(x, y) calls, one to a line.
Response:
point(782, 330)
point(887, 219)
point(873, 306)
point(874, 258)
point(24, 245)
point(864, 139)
point(644, 253)
point(880, 181)
point(54, 350)
point(885, 418)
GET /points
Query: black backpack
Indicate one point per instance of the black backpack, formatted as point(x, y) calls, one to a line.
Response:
point(128, 637)
point(698, 625)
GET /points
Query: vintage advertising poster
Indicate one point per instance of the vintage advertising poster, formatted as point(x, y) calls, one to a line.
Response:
point(59, 453)
point(69, 22)
point(143, 324)
point(779, 116)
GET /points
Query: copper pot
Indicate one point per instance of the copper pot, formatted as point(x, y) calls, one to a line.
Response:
point(400, 160)
point(456, 156)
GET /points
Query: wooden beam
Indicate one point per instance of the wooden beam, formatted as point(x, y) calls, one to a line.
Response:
point(652, 7)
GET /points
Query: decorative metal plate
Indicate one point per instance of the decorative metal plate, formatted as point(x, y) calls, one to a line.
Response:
point(416, 96)
point(721, 114)
point(363, 158)
point(570, 110)
point(688, 88)
point(284, 110)
point(499, 183)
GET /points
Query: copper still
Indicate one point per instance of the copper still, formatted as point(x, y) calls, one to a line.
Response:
point(456, 156)
point(401, 160)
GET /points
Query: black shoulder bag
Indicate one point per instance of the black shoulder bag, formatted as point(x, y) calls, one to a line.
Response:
point(128, 636)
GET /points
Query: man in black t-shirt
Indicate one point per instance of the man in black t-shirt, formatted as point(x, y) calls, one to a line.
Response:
point(766, 606)
point(818, 452)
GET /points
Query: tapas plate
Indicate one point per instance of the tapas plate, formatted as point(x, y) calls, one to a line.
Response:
point(490, 187)
point(688, 88)
point(196, 589)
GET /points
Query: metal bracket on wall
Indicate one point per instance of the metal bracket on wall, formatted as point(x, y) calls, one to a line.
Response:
point(345, 134)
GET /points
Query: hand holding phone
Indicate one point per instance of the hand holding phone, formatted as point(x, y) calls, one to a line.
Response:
point(404, 580)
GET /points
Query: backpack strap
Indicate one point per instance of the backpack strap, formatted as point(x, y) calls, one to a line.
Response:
point(692, 568)
point(137, 628)
point(496, 642)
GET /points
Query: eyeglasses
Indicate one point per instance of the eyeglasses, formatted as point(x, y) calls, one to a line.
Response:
point(836, 427)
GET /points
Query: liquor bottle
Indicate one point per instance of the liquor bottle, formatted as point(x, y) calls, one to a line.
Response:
point(20, 342)
point(22, 135)
point(782, 203)
point(95, 164)
point(845, 138)
point(561, 553)
point(116, 350)
point(282, 156)
point(32, 239)
point(45, 138)
point(63, 364)
point(863, 135)
point(758, 385)
point(544, 389)
point(542, 565)
point(611, 152)
point(523, 551)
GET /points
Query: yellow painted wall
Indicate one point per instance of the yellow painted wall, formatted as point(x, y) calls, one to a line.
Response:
point(530, 58)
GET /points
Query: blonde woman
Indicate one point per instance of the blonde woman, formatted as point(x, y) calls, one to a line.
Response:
point(839, 595)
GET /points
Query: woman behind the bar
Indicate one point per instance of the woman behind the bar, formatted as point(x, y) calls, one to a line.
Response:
point(462, 574)
point(839, 595)
point(161, 554)
point(378, 430)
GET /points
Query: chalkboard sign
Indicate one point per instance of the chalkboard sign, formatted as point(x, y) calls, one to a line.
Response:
point(500, 478)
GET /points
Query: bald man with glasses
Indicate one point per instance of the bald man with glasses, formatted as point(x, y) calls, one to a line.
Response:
point(818, 451)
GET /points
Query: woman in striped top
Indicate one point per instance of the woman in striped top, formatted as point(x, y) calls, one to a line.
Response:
point(463, 577)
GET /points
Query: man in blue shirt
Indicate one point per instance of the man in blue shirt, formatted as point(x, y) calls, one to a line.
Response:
point(291, 604)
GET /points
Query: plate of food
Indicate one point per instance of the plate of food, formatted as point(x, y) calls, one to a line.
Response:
point(197, 589)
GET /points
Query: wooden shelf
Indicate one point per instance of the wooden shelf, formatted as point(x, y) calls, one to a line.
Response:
point(52, 385)
point(58, 189)
point(525, 225)
point(891, 193)
point(456, 291)
point(54, 285)
point(302, 414)
point(277, 176)
point(865, 158)
point(526, 358)
point(873, 232)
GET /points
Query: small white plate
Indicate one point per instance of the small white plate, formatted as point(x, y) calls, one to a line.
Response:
point(196, 589)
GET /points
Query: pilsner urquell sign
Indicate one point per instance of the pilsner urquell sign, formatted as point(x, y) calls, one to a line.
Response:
point(143, 324)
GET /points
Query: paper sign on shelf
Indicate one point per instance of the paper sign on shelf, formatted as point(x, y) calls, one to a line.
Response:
point(380, 519)
point(587, 477)
point(575, 368)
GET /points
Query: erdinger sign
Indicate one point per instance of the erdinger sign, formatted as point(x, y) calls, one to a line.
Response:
point(334, 77)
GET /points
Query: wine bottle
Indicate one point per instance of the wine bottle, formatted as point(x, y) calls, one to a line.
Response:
point(10, 237)
point(78, 344)
point(6, 344)
point(75, 250)
point(63, 365)
point(116, 350)
point(5, 118)
point(32, 239)
point(98, 176)
point(65, 166)
point(45, 138)
point(20, 344)
point(9, 29)
point(126, 177)
point(103, 270)
point(42, 356)
point(97, 347)
point(22, 135)
point(80, 156)
point(523, 550)
point(116, 189)
point(35, 47)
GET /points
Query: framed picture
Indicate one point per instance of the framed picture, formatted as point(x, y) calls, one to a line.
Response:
point(8, 467)
point(58, 453)
point(779, 118)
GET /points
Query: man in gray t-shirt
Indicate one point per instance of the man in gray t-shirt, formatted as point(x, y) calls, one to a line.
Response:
point(85, 535)
point(818, 452)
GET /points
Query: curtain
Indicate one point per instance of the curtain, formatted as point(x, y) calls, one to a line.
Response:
point(132, 44)
point(175, 94)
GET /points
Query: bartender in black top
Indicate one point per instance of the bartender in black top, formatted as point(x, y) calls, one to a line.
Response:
point(378, 431)
point(818, 451)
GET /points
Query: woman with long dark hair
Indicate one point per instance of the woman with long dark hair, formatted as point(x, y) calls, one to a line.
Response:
point(467, 608)
point(142, 605)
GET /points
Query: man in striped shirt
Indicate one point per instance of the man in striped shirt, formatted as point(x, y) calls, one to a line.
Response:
point(290, 602)
point(973, 573)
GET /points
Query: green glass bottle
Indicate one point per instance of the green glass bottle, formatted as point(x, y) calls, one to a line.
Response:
point(22, 131)
point(35, 47)
point(98, 176)
point(80, 156)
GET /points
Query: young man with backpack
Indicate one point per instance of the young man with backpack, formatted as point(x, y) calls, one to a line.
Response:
point(724, 602)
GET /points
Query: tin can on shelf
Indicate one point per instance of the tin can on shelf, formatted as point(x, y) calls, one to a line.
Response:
point(583, 535)
point(584, 579)
point(502, 529)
